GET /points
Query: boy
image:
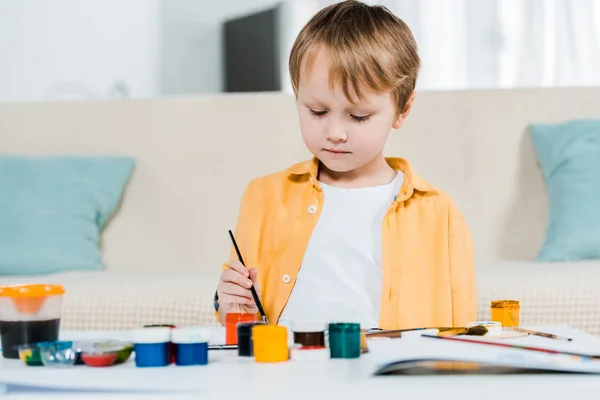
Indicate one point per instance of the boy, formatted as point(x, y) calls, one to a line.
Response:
point(351, 235)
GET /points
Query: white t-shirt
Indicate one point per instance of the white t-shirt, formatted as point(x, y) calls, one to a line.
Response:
point(341, 276)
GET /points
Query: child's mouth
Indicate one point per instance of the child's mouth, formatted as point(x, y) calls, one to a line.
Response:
point(337, 152)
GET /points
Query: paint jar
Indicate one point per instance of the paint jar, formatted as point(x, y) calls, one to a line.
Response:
point(231, 321)
point(309, 333)
point(507, 312)
point(244, 335)
point(104, 353)
point(270, 343)
point(151, 346)
point(309, 353)
point(30, 355)
point(57, 354)
point(29, 314)
point(191, 345)
point(171, 345)
point(344, 340)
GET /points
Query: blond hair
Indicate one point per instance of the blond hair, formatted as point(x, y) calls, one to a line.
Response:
point(369, 49)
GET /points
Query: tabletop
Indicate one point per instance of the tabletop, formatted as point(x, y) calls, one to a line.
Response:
point(229, 376)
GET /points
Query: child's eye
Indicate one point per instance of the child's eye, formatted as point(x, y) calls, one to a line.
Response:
point(360, 118)
point(317, 113)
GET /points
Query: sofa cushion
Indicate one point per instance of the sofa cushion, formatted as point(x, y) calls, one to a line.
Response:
point(569, 156)
point(53, 210)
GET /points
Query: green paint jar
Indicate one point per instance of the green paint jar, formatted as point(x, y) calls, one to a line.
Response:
point(344, 340)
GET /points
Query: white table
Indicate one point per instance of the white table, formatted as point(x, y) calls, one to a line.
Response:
point(230, 377)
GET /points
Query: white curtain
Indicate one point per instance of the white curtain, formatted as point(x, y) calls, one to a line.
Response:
point(474, 44)
point(558, 44)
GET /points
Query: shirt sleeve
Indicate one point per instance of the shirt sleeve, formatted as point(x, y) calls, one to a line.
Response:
point(241, 231)
point(462, 270)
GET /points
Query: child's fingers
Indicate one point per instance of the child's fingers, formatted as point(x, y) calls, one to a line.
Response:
point(232, 276)
point(235, 290)
point(236, 265)
point(233, 299)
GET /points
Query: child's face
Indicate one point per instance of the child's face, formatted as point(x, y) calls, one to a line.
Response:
point(342, 135)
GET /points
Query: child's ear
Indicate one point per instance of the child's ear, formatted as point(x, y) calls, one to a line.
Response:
point(404, 114)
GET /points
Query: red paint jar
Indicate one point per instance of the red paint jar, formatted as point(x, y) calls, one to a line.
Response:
point(231, 321)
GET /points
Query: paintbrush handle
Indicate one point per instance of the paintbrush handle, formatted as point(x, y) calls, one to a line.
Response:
point(252, 289)
point(542, 334)
point(222, 346)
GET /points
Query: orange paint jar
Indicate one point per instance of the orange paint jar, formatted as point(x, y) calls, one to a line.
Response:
point(507, 312)
point(231, 321)
point(270, 343)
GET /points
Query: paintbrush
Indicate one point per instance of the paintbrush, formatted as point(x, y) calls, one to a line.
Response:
point(471, 331)
point(222, 346)
point(252, 289)
point(542, 334)
point(514, 346)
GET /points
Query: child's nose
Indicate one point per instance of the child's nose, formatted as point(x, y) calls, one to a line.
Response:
point(336, 133)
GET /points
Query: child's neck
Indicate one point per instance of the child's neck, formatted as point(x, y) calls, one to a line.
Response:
point(376, 173)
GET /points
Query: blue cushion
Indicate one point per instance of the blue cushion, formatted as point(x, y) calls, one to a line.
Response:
point(53, 210)
point(569, 156)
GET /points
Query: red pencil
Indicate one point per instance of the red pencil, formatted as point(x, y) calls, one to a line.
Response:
point(513, 346)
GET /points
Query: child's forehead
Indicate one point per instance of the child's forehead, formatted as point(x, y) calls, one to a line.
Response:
point(319, 74)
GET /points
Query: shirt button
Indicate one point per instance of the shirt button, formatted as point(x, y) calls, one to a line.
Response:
point(312, 209)
point(286, 278)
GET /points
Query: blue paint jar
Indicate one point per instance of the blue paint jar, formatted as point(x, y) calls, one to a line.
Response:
point(151, 346)
point(191, 346)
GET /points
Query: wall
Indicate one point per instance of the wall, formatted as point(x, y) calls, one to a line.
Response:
point(78, 49)
point(64, 49)
point(191, 46)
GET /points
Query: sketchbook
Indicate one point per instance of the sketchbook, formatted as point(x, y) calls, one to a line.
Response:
point(429, 356)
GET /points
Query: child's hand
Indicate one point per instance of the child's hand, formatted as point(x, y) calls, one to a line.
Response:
point(234, 290)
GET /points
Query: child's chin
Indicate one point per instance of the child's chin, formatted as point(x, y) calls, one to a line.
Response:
point(338, 165)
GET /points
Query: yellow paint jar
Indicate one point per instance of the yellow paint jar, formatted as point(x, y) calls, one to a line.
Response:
point(270, 343)
point(507, 312)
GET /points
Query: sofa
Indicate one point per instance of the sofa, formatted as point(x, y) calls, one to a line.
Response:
point(163, 248)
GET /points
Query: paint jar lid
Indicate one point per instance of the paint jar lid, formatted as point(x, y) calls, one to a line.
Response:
point(35, 290)
point(309, 353)
point(307, 326)
point(507, 304)
point(245, 328)
point(344, 327)
point(151, 335)
point(268, 333)
point(190, 334)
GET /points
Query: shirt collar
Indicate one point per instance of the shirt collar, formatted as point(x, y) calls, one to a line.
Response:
point(412, 181)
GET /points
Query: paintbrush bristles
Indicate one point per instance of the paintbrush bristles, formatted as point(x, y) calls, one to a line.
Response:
point(478, 330)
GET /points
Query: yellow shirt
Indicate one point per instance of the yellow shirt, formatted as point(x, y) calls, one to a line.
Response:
point(428, 270)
